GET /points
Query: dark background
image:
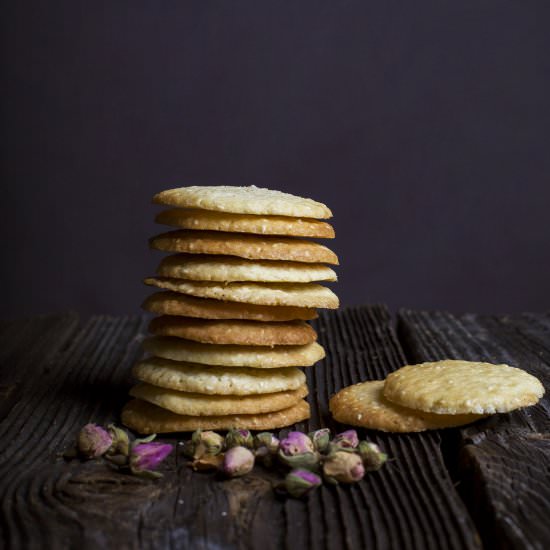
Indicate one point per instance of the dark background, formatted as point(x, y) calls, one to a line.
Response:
point(425, 126)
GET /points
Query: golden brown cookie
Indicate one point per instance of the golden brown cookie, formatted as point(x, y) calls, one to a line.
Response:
point(199, 404)
point(226, 269)
point(245, 223)
point(146, 418)
point(364, 405)
point(196, 378)
point(245, 246)
point(243, 200)
point(265, 294)
point(462, 387)
point(175, 303)
point(261, 357)
point(243, 333)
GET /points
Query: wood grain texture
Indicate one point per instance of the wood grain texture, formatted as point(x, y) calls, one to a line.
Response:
point(85, 375)
point(504, 460)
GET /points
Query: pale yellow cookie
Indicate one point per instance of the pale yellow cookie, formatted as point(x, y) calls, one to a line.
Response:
point(196, 378)
point(245, 246)
point(243, 200)
point(243, 333)
point(364, 405)
point(175, 303)
point(265, 294)
point(226, 269)
point(146, 418)
point(262, 357)
point(459, 387)
point(245, 223)
point(199, 404)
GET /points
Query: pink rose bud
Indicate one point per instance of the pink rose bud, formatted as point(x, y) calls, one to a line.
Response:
point(296, 443)
point(147, 456)
point(299, 483)
point(343, 466)
point(373, 457)
point(242, 438)
point(238, 461)
point(347, 439)
point(94, 441)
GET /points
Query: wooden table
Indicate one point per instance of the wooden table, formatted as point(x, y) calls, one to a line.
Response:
point(486, 485)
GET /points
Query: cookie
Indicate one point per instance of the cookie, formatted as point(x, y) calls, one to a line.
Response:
point(364, 405)
point(265, 294)
point(459, 387)
point(243, 333)
point(175, 303)
point(228, 269)
point(207, 379)
point(243, 200)
point(146, 418)
point(245, 223)
point(244, 246)
point(261, 357)
point(198, 404)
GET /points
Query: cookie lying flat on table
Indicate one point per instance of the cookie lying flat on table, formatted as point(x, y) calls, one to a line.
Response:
point(459, 387)
point(261, 357)
point(175, 303)
point(244, 246)
point(228, 269)
point(364, 405)
point(243, 200)
point(146, 418)
point(245, 223)
point(208, 379)
point(265, 294)
point(243, 333)
point(197, 404)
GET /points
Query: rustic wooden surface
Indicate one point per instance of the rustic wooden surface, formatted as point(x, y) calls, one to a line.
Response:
point(503, 462)
point(58, 373)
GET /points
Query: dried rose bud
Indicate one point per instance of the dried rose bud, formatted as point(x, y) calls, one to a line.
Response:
point(346, 440)
point(121, 441)
point(145, 457)
point(239, 438)
point(212, 442)
point(373, 457)
point(308, 461)
point(296, 443)
point(94, 441)
point(299, 483)
point(321, 439)
point(266, 440)
point(343, 466)
point(238, 461)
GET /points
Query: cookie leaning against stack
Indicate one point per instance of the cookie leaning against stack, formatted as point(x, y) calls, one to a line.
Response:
point(440, 394)
point(236, 292)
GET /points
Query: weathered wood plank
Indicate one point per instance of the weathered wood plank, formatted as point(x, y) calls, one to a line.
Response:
point(47, 502)
point(504, 460)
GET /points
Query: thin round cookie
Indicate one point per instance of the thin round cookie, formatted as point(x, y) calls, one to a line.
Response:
point(261, 357)
point(243, 200)
point(462, 387)
point(244, 246)
point(207, 379)
point(227, 269)
point(175, 303)
point(146, 418)
point(364, 405)
point(265, 294)
point(197, 404)
point(245, 223)
point(242, 333)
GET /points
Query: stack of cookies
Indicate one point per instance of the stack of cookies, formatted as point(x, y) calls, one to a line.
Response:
point(235, 295)
point(441, 394)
